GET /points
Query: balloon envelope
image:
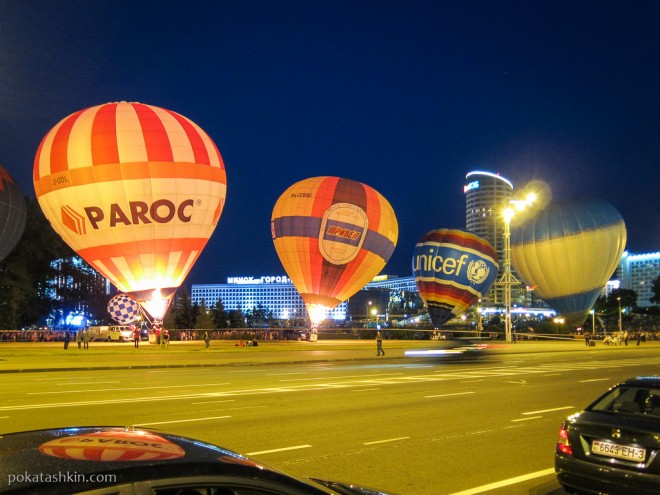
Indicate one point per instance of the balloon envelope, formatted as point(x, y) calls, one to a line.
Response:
point(123, 309)
point(453, 269)
point(568, 252)
point(13, 213)
point(332, 236)
point(136, 190)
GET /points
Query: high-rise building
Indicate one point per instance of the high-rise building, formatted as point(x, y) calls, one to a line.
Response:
point(637, 272)
point(485, 195)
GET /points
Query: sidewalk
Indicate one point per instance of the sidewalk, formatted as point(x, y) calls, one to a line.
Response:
point(32, 357)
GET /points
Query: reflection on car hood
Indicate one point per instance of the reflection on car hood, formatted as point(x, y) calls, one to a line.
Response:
point(128, 454)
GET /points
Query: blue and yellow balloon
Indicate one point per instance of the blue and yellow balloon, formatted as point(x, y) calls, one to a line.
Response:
point(568, 252)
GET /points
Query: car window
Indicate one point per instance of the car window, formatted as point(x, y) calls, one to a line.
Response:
point(630, 400)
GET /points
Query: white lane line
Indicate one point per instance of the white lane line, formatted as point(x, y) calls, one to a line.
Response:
point(547, 410)
point(181, 421)
point(447, 395)
point(386, 441)
point(4, 417)
point(283, 449)
point(86, 383)
point(365, 389)
point(366, 377)
point(594, 380)
point(503, 483)
point(214, 401)
point(129, 388)
point(525, 419)
point(553, 374)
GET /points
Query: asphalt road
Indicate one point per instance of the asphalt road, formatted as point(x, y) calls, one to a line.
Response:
point(410, 426)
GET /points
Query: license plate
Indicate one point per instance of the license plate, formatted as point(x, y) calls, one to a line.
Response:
point(619, 451)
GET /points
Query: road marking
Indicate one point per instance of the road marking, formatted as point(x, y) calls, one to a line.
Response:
point(181, 421)
point(594, 380)
point(447, 395)
point(525, 419)
point(365, 389)
point(548, 410)
point(283, 449)
point(503, 483)
point(129, 388)
point(86, 383)
point(214, 401)
point(385, 441)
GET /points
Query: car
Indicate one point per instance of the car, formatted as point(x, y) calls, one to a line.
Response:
point(613, 446)
point(116, 460)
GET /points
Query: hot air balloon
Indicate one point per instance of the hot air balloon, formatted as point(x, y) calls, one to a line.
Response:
point(123, 309)
point(136, 190)
point(332, 236)
point(569, 251)
point(13, 213)
point(452, 269)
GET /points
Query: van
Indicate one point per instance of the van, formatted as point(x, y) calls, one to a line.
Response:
point(115, 333)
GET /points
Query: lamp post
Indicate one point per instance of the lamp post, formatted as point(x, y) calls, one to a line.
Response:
point(620, 322)
point(375, 313)
point(593, 321)
point(507, 279)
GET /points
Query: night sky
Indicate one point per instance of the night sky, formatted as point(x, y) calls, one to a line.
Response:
point(406, 96)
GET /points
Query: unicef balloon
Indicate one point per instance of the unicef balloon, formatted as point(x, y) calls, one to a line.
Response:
point(136, 190)
point(332, 236)
point(452, 269)
point(568, 251)
point(123, 309)
point(13, 213)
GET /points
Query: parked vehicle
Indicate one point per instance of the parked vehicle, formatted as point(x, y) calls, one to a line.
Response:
point(127, 461)
point(613, 445)
point(115, 333)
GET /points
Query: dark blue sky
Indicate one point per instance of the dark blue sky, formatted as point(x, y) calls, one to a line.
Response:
point(406, 96)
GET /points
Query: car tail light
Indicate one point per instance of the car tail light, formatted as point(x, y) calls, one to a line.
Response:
point(562, 442)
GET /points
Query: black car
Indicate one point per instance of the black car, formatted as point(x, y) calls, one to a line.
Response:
point(127, 461)
point(613, 446)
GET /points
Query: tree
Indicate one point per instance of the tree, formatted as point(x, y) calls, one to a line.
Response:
point(655, 298)
point(204, 317)
point(236, 318)
point(26, 274)
point(220, 316)
point(184, 311)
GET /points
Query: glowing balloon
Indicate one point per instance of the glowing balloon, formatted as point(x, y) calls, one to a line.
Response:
point(452, 269)
point(136, 190)
point(569, 251)
point(332, 236)
point(123, 309)
point(13, 213)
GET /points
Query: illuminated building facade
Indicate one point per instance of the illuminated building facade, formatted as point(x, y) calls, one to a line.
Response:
point(276, 294)
point(637, 272)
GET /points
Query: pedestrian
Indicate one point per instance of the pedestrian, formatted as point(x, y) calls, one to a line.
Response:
point(79, 338)
point(136, 337)
point(586, 339)
point(67, 339)
point(207, 339)
point(639, 337)
point(164, 338)
point(86, 337)
point(379, 344)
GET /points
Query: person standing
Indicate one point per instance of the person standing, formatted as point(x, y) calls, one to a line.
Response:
point(136, 336)
point(379, 344)
point(86, 337)
point(79, 338)
point(67, 339)
point(164, 338)
point(207, 339)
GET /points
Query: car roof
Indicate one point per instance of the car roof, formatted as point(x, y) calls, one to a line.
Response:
point(651, 381)
point(131, 454)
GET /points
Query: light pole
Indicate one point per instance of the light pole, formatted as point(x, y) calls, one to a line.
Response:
point(375, 313)
point(593, 321)
point(620, 322)
point(507, 279)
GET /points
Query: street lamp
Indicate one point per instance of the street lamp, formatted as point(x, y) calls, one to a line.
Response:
point(620, 322)
point(375, 313)
point(507, 279)
point(593, 321)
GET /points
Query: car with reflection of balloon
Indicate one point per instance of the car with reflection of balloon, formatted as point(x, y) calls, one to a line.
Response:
point(613, 445)
point(131, 461)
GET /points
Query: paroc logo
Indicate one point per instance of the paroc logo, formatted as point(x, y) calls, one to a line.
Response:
point(138, 212)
